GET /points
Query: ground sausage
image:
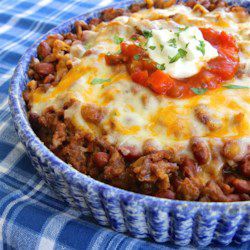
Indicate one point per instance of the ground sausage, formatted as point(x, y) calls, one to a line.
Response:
point(162, 4)
point(115, 166)
point(111, 13)
point(188, 190)
point(205, 116)
point(49, 79)
point(100, 159)
point(188, 167)
point(154, 168)
point(168, 194)
point(213, 190)
point(130, 152)
point(80, 26)
point(95, 21)
point(136, 7)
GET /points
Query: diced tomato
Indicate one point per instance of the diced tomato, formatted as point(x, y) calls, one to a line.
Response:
point(140, 77)
point(149, 65)
point(229, 52)
point(160, 82)
point(210, 35)
point(226, 64)
point(226, 39)
point(222, 67)
point(131, 49)
point(205, 79)
point(144, 71)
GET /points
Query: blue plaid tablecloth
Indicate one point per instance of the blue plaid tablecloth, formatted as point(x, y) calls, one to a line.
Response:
point(31, 215)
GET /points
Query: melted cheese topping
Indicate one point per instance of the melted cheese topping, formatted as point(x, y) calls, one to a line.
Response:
point(134, 113)
point(165, 44)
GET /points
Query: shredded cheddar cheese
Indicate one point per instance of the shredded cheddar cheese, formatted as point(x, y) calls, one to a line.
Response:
point(135, 113)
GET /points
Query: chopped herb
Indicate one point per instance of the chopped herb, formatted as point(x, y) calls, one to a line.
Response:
point(172, 43)
point(181, 54)
point(162, 47)
point(100, 80)
point(199, 91)
point(161, 66)
point(201, 47)
point(118, 39)
point(136, 57)
point(133, 38)
point(183, 29)
point(236, 87)
point(186, 45)
point(147, 33)
point(152, 47)
point(194, 37)
point(118, 52)
point(179, 31)
point(141, 44)
point(87, 46)
point(40, 57)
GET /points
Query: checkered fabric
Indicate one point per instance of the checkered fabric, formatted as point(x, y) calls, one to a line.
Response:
point(31, 215)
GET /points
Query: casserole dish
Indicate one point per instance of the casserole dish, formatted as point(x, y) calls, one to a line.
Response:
point(161, 219)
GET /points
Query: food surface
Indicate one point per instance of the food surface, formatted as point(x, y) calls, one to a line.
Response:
point(154, 99)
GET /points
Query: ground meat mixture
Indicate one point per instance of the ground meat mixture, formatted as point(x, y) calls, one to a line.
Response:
point(153, 172)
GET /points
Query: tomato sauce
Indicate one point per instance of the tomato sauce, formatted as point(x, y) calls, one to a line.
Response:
point(144, 71)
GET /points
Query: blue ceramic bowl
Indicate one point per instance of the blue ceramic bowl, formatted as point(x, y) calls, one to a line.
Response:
point(180, 222)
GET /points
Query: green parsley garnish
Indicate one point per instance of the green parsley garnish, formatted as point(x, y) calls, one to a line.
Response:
point(183, 29)
point(152, 47)
point(133, 38)
point(235, 87)
point(136, 57)
point(186, 45)
point(201, 47)
point(181, 54)
point(160, 66)
point(172, 43)
point(147, 33)
point(199, 91)
point(162, 47)
point(100, 80)
point(87, 46)
point(180, 30)
point(118, 39)
point(140, 44)
point(40, 57)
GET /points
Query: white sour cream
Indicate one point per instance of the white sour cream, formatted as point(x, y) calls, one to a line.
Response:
point(182, 51)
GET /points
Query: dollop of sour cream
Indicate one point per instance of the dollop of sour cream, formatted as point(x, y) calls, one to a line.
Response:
point(181, 53)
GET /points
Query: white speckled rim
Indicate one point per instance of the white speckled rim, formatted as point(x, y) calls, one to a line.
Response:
point(141, 215)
